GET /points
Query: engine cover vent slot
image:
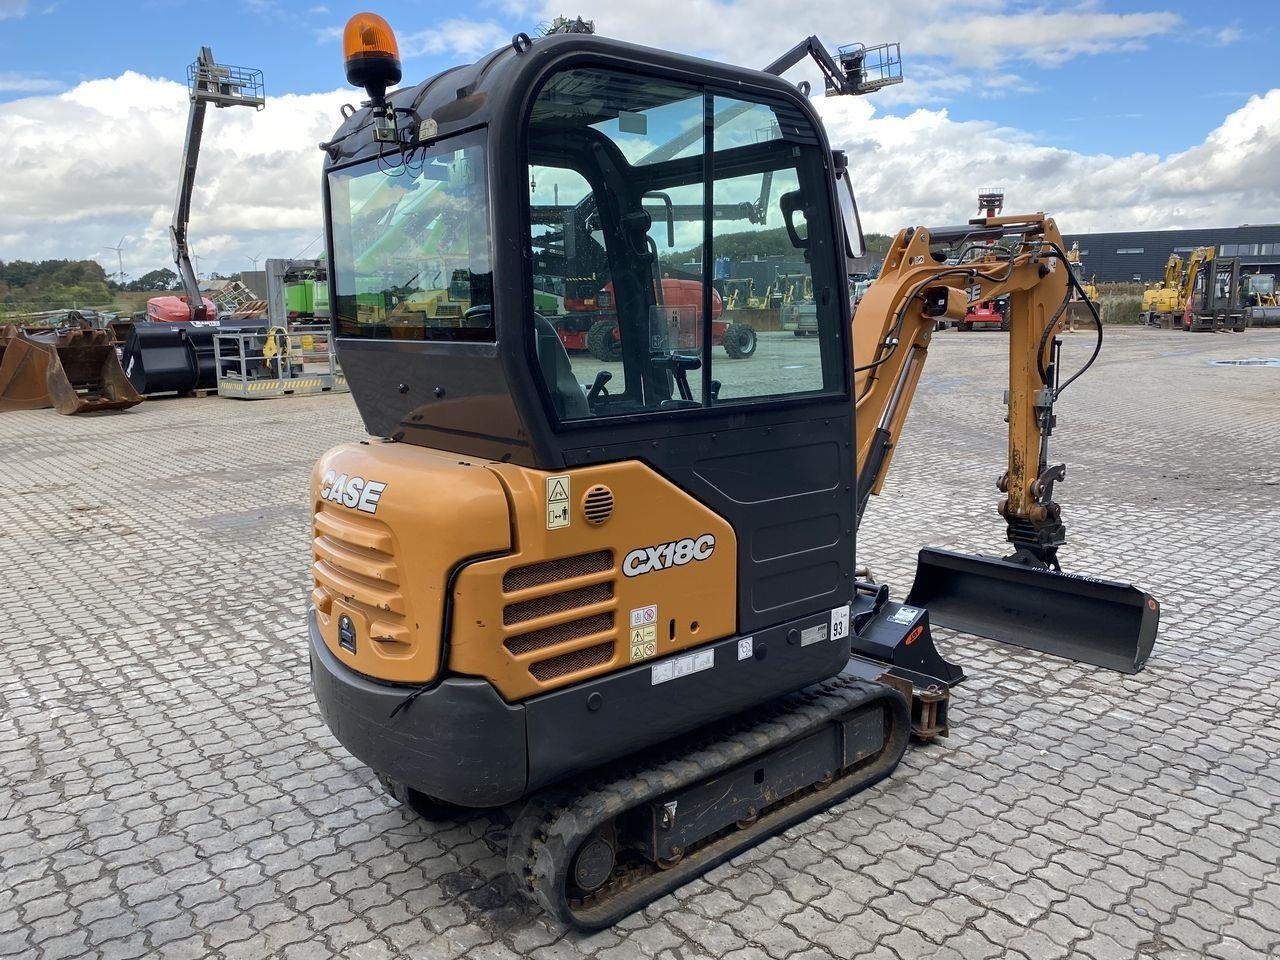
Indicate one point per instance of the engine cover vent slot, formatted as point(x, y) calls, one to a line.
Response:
point(551, 571)
point(567, 600)
point(597, 504)
point(537, 640)
point(567, 663)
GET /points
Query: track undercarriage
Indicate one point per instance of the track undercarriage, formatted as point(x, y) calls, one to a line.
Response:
point(593, 851)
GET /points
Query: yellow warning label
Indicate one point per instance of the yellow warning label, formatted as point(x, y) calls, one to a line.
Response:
point(644, 642)
point(557, 502)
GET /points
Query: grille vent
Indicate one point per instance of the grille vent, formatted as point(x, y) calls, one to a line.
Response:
point(556, 603)
point(549, 571)
point(353, 561)
point(560, 633)
point(597, 504)
point(561, 629)
point(566, 663)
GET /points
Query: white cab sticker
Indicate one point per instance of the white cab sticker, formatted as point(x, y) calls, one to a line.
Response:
point(814, 634)
point(558, 502)
point(643, 616)
point(904, 615)
point(839, 622)
point(746, 647)
point(678, 667)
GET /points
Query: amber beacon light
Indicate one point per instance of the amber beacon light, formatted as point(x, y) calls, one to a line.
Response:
point(371, 55)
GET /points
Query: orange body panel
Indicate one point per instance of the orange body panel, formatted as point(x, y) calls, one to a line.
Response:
point(558, 609)
point(553, 608)
point(382, 556)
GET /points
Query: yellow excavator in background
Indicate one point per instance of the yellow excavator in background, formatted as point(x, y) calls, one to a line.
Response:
point(623, 595)
point(1164, 304)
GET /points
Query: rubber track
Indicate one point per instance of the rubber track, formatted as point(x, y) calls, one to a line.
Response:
point(554, 823)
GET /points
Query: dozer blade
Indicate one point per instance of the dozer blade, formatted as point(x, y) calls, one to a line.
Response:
point(72, 370)
point(1094, 621)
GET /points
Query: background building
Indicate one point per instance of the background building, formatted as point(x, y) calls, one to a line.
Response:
point(1141, 254)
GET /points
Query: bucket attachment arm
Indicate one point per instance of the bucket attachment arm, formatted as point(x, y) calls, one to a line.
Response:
point(930, 275)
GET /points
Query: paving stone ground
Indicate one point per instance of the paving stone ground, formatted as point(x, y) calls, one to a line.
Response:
point(168, 790)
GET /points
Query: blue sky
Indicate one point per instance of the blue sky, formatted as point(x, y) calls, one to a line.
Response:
point(1161, 92)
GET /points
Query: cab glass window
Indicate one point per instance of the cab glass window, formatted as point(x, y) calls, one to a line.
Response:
point(657, 288)
point(412, 246)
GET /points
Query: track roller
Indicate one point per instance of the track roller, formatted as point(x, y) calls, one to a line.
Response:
point(593, 851)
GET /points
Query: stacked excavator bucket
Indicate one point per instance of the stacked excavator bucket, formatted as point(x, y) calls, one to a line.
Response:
point(72, 369)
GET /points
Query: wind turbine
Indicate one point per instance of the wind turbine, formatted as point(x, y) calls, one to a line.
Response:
point(254, 260)
point(119, 249)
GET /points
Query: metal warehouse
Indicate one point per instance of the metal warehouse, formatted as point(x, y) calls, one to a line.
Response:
point(1141, 255)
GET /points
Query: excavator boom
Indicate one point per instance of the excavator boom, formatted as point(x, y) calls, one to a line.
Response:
point(1024, 598)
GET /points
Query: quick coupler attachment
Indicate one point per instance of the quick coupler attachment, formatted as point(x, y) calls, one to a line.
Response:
point(892, 643)
point(1100, 622)
point(593, 851)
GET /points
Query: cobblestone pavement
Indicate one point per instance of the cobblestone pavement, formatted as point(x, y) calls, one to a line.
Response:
point(167, 789)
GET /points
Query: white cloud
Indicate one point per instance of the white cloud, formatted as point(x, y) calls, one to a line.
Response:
point(1227, 36)
point(460, 37)
point(973, 34)
point(257, 188)
point(1044, 38)
point(12, 82)
point(926, 168)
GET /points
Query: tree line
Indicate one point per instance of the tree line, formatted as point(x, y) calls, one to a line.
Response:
point(48, 284)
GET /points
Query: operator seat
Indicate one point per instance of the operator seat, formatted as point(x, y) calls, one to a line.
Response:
point(567, 395)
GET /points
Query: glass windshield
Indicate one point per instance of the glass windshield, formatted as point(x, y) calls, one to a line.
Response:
point(412, 248)
point(657, 288)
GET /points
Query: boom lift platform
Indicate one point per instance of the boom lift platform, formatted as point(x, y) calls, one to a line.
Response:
point(624, 594)
point(223, 86)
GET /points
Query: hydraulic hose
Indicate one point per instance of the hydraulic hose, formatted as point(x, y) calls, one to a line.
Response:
point(1048, 332)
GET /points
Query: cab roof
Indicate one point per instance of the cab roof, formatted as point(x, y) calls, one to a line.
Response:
point(462, 98)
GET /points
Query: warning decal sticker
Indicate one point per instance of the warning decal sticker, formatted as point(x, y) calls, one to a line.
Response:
point(678, 667)
point(557, 502)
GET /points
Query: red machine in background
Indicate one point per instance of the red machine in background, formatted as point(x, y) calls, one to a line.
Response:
point(681, 303)
point(988, 313)
point(178, 310)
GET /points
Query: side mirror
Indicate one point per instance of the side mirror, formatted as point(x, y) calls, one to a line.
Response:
point(855, 246)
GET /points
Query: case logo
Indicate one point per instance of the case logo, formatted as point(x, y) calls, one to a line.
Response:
point(355, 492)
point(666, 555)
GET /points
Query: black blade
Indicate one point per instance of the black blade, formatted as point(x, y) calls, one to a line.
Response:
point(1101, 622)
